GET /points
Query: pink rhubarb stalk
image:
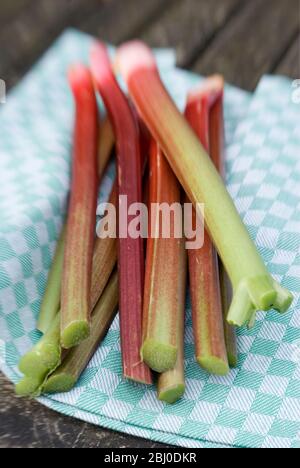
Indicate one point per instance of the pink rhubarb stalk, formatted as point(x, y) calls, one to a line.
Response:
point(203, 107)
point(75, 303)
point(52, 297)
point(217, 154)
point(166, 269)
point(130, 254)
point(254, 288)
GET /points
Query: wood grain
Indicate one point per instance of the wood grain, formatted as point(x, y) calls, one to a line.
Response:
point(189, 25)
point(251, 42)
point(27, 424)
point(9, 8)
point(114, 24)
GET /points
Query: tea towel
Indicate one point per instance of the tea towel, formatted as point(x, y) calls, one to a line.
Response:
point(258, 404)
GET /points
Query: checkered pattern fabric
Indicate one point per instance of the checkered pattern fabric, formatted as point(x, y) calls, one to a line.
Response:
point(257, 404)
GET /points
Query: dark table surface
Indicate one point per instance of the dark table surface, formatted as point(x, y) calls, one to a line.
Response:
point(242, 39)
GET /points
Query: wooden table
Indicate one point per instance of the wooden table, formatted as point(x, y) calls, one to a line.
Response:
point(242, 39)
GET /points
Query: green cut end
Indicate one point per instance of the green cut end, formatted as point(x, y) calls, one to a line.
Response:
point(214, 365)
point(267, 300)
point(284, 299)
point(75, 333)
point(160, 357)
point(31, 364)
point(254, 294)
point(28, 386)
point(59, 383)
point(172, 394)
point(40, 360)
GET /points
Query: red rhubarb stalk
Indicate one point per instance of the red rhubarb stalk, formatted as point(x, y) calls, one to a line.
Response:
point(254, 288)
point(130, 252)
point(206, 295)
point(165, 270)
point(217, 154)
point(75, 304)
point(52, 298)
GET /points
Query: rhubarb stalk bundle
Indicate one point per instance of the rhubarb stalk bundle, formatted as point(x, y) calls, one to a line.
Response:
point(166, 269)
point(130, 254)
point(66, 376)
point(202, 109)
point(254, 288)
point(45, 356)
point(76, 284)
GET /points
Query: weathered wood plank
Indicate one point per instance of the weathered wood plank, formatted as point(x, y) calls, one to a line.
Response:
point(290, 64)
point(252, 42)
point(11, 8)
point(116, 21)
point(29, 34)
point(189, 25)
point(27, 424)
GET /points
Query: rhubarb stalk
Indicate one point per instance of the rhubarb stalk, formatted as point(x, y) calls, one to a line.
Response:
point(51, 301)
point(75, 299)
point(69, 372)
point(106, 144)
point(41, 361)
point(130, 255)
point(171, 384)
point(165, 270)
point(254, 288)
point(217, 154)
point(229, 330)
point(207, 310)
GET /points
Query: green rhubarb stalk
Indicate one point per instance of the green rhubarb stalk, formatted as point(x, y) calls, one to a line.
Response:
point(51, 301)
point(165, 271)
point(254, 288)
point(68, 373)
point(40, 361)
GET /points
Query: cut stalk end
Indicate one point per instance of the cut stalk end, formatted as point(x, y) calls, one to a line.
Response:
point(284, 298)
point(214, 365)
point(75, 333)
point(160, 357)
point(37, 361)
point(59, 383)
point(27, 386)
point(172, 394)
point(254, 294)
point(141, 377)
point(232, 359)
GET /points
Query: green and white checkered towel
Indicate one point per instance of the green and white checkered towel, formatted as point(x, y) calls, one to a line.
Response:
point(258, 404)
